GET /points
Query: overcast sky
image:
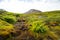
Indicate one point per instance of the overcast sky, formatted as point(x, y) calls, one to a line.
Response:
point(21, 6)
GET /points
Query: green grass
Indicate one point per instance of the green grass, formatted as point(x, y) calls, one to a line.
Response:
point(5, 28)
point(46, 23)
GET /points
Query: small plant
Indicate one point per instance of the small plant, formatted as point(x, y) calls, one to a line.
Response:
point(39, 27)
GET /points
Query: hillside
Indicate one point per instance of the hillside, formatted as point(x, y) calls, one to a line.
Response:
point(32, 25)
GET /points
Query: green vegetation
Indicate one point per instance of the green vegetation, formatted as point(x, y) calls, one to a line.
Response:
point(6, 16)
point(38, 25)
point(5, 28)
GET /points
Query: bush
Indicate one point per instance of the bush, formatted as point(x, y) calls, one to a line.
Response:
point(10, 20)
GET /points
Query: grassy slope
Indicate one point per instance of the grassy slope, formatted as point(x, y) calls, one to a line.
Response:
point(50, 20)
point(38, 22)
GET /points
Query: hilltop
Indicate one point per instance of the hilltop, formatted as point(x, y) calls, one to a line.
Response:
point(32, 11)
